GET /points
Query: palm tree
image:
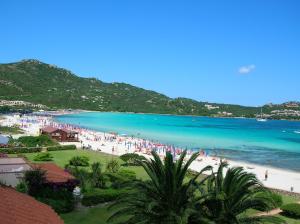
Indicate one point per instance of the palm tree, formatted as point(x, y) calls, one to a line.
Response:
point(97, 179)
point(225, 199)
point(165, 199)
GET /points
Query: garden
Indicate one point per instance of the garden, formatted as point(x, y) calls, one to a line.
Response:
point(105, 178)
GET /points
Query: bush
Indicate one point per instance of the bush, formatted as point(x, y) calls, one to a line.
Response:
point(131, 159)
point(20, 150)
point(277, 198)
point(34, 141)
point(60, 200)
point(79, 161)
point(35, 180)
point(291, 210)
point(59, 206)
point(123, 178)
point(43, 156)
point(22, 187)
point(61, 147)
point(97, 196)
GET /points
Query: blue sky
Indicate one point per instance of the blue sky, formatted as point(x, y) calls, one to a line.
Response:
point(242, 52)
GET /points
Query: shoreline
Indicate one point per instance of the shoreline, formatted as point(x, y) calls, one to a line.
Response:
point(281, 179)
point(182, 115)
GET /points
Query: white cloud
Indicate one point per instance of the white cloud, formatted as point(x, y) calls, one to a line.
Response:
point(246, 69)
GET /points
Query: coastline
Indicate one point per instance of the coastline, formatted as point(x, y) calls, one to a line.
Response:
point(181, 115)
point(281, 179)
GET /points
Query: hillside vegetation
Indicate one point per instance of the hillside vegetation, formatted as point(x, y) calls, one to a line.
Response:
point(41, 83)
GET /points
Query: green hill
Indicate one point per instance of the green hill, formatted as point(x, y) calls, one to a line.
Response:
point(37, 82)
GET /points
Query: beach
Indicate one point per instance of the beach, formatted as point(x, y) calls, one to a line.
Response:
point(118, 144)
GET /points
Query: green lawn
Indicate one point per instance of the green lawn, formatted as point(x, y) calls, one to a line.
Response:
point(61, 158)
point(95, 215)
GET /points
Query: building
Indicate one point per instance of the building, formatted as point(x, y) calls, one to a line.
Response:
point(61, 135)
point(12, 170)
point(19, 208)
point(56, 176)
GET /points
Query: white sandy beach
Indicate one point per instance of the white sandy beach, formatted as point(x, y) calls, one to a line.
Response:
point(113, 144)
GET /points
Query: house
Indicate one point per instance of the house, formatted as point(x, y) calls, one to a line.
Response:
point(12, 170)
point(61, 135)
point(19, 208)
point(56, 176)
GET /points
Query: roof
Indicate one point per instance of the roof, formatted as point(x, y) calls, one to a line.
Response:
point(19, 208)
point(12, 161)
point(3, 140)
point(54, 174)
point(12, 165)
point(49, 129)
point(69, 131)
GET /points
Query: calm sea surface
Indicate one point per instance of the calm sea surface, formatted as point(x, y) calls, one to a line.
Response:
point(274, 143)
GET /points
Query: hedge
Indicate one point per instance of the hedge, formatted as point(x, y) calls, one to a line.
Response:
point(291, 210)
point(97, 196)
point(61, 147)
point(17, 150)
point(20, 150)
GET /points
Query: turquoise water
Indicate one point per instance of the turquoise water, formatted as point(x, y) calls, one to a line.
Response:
point(274, 143)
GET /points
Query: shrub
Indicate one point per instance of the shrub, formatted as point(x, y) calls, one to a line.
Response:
point(34, 179)
point(291, 210)
point(277, 198)
point(131, 158)
point(59, 206)
point(22, 187)
point(61, 200)
point(34, 141)
point(79, 161)
point(61, 147)
point(113, 166)
point(20, 150)
point(123, 178)
point(43, 156)
point(97, 196)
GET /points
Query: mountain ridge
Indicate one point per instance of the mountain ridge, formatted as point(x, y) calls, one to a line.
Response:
point(38, 82)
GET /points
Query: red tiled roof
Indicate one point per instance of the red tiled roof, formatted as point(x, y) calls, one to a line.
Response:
point(49, 129)
point(19, 208)
point(54, 173)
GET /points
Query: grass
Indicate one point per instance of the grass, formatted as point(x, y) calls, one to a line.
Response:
point(95, 215)
point(10, 130)
point(61, 158)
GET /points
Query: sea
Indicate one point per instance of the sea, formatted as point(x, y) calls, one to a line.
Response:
point(273, 143)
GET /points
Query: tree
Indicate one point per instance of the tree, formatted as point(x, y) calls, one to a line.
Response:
point(35, 180)
point(113, 166)
point(165, 198)
point(97, 179)
point(225, 199)
point(131, 159)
